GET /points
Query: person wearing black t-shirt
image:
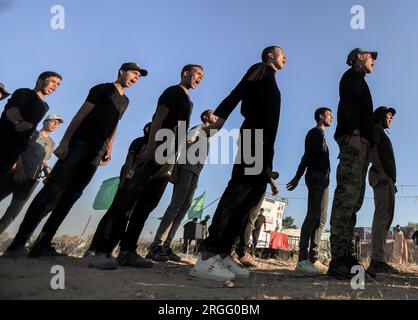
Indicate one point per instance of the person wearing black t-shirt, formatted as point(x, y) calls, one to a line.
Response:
point(260, 107)
point(22, 113)
point(315, 161)
point(87, 143)
point(384, 194)
point(130, 205)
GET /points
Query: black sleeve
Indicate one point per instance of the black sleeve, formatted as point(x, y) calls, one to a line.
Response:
point(230, 102)
point(168, 98)
point(311, 146)
point(19, 99)
point(96, 94)
point(354, 87)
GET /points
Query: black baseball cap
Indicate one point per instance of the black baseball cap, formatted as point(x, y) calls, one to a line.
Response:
point(383, 111)
point(352, 56)
point(5, 93)
point(133, 66)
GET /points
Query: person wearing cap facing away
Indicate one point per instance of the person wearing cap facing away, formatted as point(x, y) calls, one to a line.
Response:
point(260, 100)
point(131, 203)
point(22, 113)
point(354, 135)
point(3, 92)
point(384, 194)
point(31, 167)
point(87, 143)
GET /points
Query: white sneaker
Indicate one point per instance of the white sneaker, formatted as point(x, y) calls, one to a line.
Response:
point(321, 267)
point(306, 266)
point(212, 269)
point(234, 267)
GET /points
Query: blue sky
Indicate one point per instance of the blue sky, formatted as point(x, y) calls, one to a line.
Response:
point(226, 37)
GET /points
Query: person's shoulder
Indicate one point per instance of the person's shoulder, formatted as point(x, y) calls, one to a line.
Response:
point(103, 87)
point(175, 89)
point(21, 92)
point(258, 71)
point(315, 131)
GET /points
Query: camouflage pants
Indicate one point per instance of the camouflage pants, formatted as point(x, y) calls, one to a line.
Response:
point(348, 197)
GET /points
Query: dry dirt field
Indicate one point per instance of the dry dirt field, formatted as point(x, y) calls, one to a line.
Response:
point(27, 278)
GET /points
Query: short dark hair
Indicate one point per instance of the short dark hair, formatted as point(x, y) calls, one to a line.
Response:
point(204, 114)
point(321, 112)
point(45, 75)
point(189, 67)
point(266, 51)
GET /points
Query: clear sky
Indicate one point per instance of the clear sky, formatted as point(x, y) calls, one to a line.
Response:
point(226, 37)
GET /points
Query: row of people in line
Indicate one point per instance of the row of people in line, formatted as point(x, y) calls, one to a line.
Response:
point(88, 141)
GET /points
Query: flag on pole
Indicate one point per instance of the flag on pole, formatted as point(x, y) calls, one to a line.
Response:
point(106, 194)
point(196, 207)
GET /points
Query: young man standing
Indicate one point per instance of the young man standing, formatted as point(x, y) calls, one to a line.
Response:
point(260, 107)
point(384, 194)
point(130, 203)
point(315, 161)
point(87, 143)
point(22, 113)
point(354, 135)
point(185, 184)
point(3, 92)
point(33, 161)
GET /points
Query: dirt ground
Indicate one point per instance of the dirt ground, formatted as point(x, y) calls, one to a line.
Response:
point(27, 278)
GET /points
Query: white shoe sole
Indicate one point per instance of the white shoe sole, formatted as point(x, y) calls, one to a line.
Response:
point(237, 275)
point(208, 276)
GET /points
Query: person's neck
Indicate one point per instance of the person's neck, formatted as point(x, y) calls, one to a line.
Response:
point(45, 133)
point(184, 87)
point(39, 94)
point(271, 65)
point(120, 88)
point(361, 67)
point(321, 126)
point(381, 125)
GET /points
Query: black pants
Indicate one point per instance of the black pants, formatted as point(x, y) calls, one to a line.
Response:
point(240, 196)
point(63, 188)
point(243, 245)
point(21, 193)
point(9, 154)
point(133, 203)
point(316, 217)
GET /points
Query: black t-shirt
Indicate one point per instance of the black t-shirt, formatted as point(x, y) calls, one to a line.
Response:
point(177, 101)
point(385, 151)
point(136, 147)
point(316, 156)
point(260, 105)
point(261, 220)
point(355, 109)
point(99, 124)
point(31, 108)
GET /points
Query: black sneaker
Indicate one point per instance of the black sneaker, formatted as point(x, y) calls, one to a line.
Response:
point(354, 262)
point(45, 250)
point(381, 267)
point(171, 255)
point(157, 254)
point(132, 259)
point(15, 253)
point(340, 268)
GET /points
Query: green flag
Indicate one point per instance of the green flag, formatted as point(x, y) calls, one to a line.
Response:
point(196, 207)
point(106, 193)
